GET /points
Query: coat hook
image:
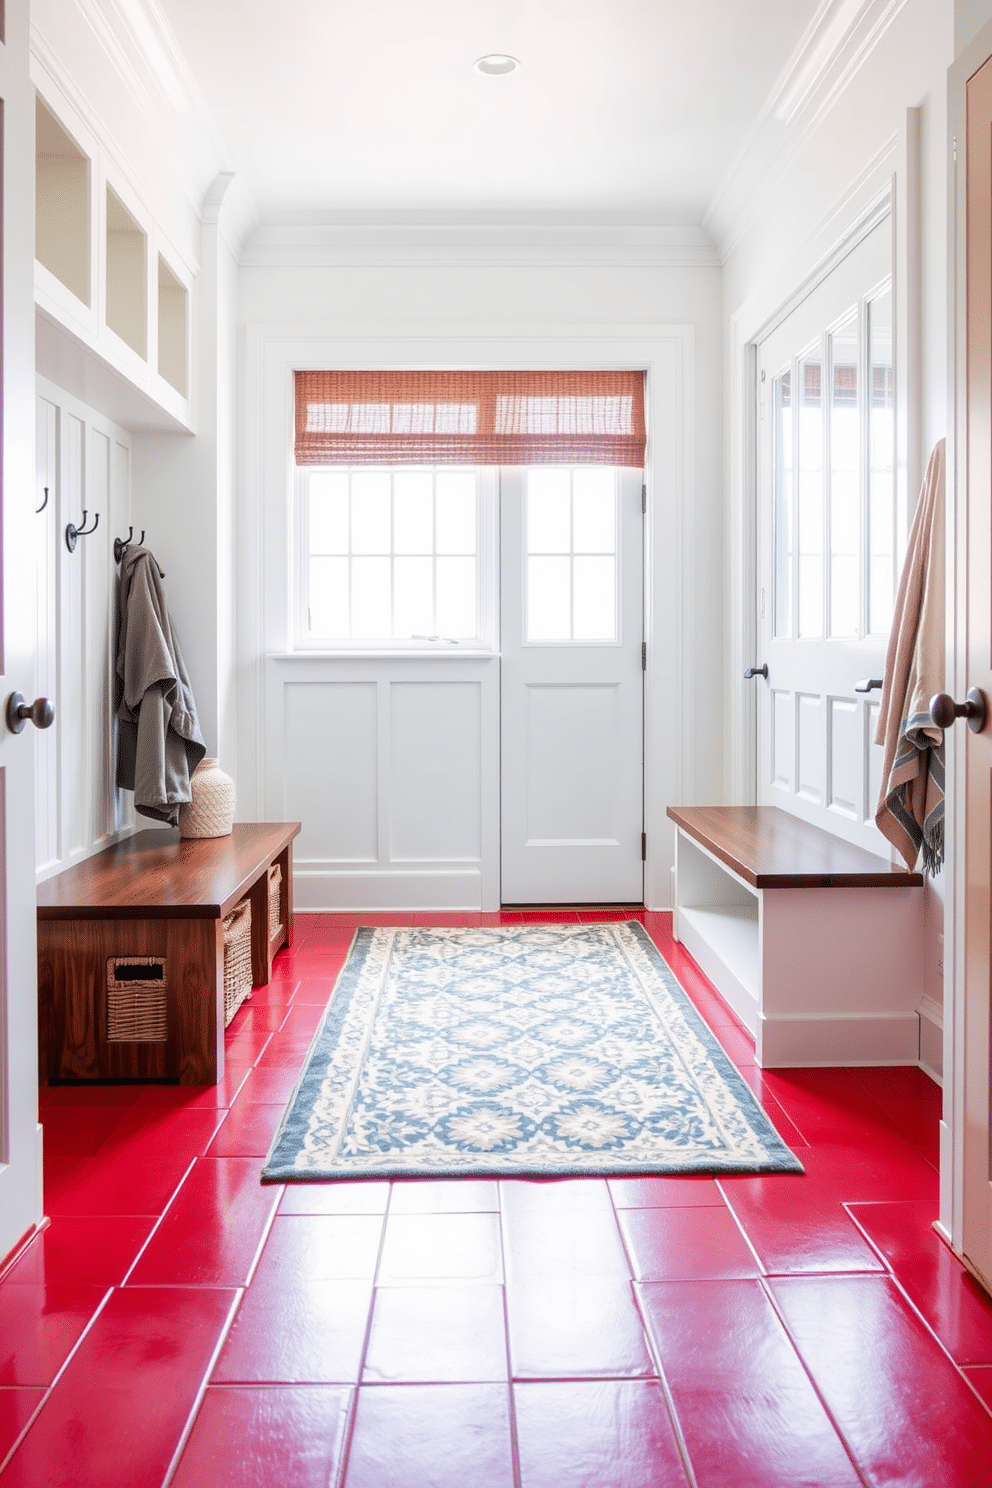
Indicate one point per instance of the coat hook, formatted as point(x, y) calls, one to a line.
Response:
point(72, 531)
point(41, 508)
point(121, 544)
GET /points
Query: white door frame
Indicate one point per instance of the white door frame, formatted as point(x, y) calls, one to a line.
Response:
point(890, 184)
point(673, 691)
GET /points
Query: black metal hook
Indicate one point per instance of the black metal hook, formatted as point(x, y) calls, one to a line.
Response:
point(41, 508)
point(121, 544)
point(72, 531)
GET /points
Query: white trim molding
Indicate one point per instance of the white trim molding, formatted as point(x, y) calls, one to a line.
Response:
point(665, 351)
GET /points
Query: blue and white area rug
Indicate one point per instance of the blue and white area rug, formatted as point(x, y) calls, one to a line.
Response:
point(520, 1051)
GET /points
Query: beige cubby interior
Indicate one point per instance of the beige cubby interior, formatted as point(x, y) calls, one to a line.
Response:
point(62, 205)
point(173, 328)
point(127, 276)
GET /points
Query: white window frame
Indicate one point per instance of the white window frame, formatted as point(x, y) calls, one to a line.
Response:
point(486, 641)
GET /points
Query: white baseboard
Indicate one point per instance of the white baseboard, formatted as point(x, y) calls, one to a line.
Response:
point(828, 1039)
point(399, 890)
point(932, 1039)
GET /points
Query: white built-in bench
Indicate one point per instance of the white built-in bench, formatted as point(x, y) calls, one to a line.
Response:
point(814, 942)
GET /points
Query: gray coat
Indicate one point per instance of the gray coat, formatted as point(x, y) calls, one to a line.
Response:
point(159, 743)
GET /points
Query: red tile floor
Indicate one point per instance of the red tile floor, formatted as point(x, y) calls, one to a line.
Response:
point(178, 1323)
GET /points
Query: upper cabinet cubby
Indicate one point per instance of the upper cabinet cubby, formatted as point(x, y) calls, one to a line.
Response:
point(107, 280)
point(173, 327)
point(127, 276)
point(62, 205)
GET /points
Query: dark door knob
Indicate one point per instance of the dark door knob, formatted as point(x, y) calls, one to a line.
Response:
point(41, 712)
point(944, 710)
point(761, 671)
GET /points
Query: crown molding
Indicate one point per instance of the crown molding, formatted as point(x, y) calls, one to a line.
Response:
point(836, 45)
point(477, 245)
point(137, 41)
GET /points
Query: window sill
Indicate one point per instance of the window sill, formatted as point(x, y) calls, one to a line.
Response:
point(450, 653)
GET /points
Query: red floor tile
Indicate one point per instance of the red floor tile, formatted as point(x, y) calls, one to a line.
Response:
point(78, 1251)
point(334, 1198)
point(574, 1327)
point(436, 1196)
point(606, 1433)
point(686, 1244)
point(932, 1277)
point(40, 1325)
point(744, 1403)
point(431, 1436)
point(247, 1132)
point(301, 1021)
point(266, 1435)
point(93, 1095)
point(316, 991)
point(243, 1049)
point(212, 1230)
point(286, 1053)
point(16, 1410)
point(77, 1132)
point(269, 1086)
point(980, 1379)
point(141, 1176)
point(437, 1334)
point(907, 1414)
point(117, 1414)
point(664, 1193)
point(196, 1097)
point(562, 1229)
point(795, 1227)
point(441, 1247)
point(293, 1329)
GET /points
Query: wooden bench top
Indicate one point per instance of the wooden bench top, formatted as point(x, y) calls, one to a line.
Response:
point(772, 849)
point(156, 874)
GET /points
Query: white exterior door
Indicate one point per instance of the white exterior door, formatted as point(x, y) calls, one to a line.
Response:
point(828, 544)
point(571, 578)
point(20, 1166)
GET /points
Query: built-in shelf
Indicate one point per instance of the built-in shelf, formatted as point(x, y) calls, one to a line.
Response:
point(112, 295)
point(62, 205)
point(127, 276)
point(173, 328)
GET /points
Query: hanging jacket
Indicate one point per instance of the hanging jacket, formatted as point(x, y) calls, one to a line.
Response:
point(159, 743)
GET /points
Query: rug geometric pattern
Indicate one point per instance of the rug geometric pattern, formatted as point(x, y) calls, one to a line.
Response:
point(516, 1051)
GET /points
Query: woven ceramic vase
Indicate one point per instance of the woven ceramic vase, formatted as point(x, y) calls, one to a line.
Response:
point(211, 811)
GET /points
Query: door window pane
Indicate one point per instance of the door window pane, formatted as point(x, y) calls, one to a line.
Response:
point(881, 462)
point(571, 557)
point(810, 497)
point(845, 482)
point(782, 403)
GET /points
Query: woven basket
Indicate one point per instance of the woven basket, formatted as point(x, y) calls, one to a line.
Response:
point(237, 959)
point(275, 901)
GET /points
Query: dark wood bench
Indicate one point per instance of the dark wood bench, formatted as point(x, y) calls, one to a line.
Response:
point(802, 935)
point(161, 900)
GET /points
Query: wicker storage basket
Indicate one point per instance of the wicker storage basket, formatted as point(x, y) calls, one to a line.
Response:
point(237, 959)
point(275, 900)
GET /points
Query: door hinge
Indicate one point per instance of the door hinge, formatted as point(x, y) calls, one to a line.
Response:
point(644, 656)
point(644, 500)
point(644, 847)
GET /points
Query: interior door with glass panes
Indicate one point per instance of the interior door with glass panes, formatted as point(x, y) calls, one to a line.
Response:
point(571, 685)
point(827, 544)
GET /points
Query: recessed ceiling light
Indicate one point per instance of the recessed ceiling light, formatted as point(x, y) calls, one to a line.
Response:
point(497, 65)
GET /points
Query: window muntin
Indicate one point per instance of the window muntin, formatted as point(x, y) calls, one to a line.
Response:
point(571, 555)
point(833, 473)
point(391, 556)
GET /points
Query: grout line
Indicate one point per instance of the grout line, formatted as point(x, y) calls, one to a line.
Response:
point(204, 1384)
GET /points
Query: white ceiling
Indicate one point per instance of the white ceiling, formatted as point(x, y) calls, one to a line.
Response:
point(622, 110)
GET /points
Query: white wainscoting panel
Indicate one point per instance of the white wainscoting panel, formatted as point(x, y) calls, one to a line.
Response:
point(782, 749)
point(84, 460)
point(435, 756)
point(844, 773)
point(811, 750)
point(391, 765)
point(561, 805)
point(331, 775)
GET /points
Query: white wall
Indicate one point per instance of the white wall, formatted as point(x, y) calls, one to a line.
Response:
point(828, 163)
point(481, 309)
point(84, 460)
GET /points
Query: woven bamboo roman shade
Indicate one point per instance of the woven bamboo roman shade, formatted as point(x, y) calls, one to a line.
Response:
point(470, 418)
